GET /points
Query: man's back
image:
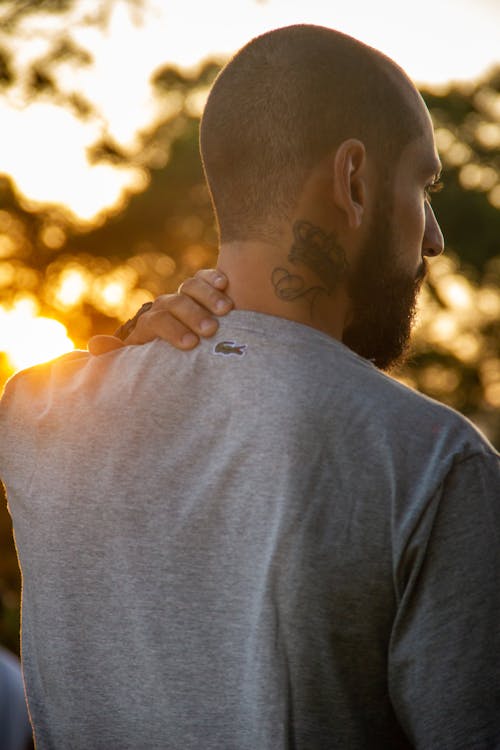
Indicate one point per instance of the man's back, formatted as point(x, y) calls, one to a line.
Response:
point(262, 544)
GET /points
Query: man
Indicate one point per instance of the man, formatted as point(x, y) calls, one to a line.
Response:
point(266, 542)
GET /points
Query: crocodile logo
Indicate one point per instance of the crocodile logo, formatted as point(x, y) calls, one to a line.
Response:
point(230, 348)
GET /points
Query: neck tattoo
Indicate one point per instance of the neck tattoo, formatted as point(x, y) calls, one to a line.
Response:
point(321, 253)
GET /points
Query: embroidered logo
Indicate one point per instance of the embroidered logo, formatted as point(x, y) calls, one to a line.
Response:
point(230, 348)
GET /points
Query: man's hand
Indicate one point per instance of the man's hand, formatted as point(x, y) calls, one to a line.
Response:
point(179, 318)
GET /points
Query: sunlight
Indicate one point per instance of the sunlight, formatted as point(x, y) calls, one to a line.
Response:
point(476, 177)
point(113, 294)
point(109, 292)
point(488, 302)
point(442, 328)
point(72, 287)
point(490, 375)
point(396, 28)
point(439, 379)
point(492, 394)
point(456, 292)
point(488, 134)
point(466, 347)
point(28, 339)
point(53, 236)
point(444, 139)
point(494, 197)
point(118, 82)
point(60, 173)
point(457, 154)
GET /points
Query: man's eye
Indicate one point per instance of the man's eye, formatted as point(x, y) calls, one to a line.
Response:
point(434, 187)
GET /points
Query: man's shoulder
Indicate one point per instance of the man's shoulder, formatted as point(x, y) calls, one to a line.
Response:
point(36, 378)
point(422, 427)
point(338, 386)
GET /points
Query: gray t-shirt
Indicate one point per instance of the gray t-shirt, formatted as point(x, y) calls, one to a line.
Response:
point(261, 544)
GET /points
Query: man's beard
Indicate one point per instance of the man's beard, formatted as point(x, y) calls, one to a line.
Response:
point(384, 298)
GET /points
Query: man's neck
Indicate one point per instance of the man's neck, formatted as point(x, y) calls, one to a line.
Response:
point(275, 278)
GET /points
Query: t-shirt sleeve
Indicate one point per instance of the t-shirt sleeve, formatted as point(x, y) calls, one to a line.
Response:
point(444, 658)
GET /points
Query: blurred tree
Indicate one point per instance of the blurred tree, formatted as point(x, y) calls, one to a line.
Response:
point(24, 20)
point(34, 75)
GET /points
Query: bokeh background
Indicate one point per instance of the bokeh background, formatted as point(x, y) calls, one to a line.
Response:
point(103, 204)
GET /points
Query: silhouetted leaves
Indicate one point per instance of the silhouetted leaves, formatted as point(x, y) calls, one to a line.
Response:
point(18, 25)
point(169, 79)
point(6, 73)
point(107, 150)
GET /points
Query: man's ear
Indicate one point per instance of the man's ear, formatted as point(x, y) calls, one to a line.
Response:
point(349, 180)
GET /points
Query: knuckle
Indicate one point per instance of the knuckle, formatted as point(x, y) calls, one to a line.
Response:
point(186, 285)
point(170, 302)
point(160, 301)
point(206, 273)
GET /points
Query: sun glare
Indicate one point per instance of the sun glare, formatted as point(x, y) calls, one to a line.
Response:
point(72, 287)
point(27, 338)
point(456, 292)
point(59, 173)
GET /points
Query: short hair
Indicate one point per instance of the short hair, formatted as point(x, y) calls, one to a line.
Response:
point(280, 105)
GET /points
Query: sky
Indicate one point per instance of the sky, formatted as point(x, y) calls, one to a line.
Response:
point(435, 41)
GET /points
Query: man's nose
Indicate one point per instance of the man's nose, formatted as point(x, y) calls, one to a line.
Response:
point(433, 243)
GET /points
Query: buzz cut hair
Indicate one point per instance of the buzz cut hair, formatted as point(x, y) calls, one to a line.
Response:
point(285, 101)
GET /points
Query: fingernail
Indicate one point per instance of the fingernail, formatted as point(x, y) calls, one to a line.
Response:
point(189, 339)
point(221, 305)
point(207, 325)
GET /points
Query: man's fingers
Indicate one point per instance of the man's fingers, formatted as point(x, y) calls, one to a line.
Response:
point(101, 344)
point(163, 323)
point(201, 289)
point(213, 276)
point(182, 318)
point(178, 318)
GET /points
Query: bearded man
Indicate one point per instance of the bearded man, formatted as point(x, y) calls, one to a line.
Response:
point(266, 542)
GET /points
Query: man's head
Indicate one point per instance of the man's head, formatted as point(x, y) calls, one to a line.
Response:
point(307, 127)
point(286, 100)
